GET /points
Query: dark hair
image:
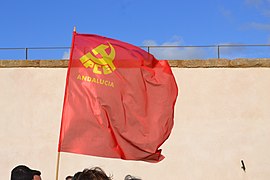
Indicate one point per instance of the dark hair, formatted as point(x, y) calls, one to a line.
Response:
point(129, 177)
point(94, 173)
point(23, 172)
point(75, 177)
point(69, 177)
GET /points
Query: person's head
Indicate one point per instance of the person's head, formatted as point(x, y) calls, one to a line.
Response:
point(129, 177)
point(69, 177)
point(76, 175)
point(95, 173)
point(36, 177)
point(23, 172)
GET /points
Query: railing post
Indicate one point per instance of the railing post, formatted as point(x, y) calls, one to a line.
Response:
point(26, 53)
point(218, 52)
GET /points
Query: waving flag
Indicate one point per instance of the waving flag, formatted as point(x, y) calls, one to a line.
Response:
point(119, 100)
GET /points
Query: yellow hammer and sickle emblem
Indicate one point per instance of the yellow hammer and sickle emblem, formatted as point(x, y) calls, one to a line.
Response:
point(100, 65)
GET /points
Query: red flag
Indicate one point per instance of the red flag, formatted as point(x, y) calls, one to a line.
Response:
point(119, 100)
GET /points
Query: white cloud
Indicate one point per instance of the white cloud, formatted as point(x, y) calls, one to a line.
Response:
point(231, 50)
point(66, 55)
point(174, 53)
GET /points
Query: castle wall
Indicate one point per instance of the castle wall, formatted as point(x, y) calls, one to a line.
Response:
point(221, 117)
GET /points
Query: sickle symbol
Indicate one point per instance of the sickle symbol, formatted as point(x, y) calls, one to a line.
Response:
point(106, 58)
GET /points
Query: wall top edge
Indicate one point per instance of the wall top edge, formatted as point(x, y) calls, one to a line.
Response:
point(196, 63)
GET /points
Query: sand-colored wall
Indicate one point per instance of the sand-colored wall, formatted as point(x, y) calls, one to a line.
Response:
point(221, 117)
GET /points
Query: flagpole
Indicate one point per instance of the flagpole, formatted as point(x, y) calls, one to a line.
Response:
point(57, 166)
point(58, 155)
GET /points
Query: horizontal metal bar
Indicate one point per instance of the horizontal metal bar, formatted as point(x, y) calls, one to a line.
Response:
point(41, 48)
point(202, 46)
point(35, 48)
point(243, 45)
point(219, 47)
point(175, 46)
point(12, 48)
point(214, 46)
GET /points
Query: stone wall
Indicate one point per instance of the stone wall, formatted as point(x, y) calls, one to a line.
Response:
point(210, 63)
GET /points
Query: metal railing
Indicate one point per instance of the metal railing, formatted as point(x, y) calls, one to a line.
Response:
point(27, 49)
point(229, 51)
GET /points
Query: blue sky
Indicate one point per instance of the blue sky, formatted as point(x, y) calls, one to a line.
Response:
point(29, 23)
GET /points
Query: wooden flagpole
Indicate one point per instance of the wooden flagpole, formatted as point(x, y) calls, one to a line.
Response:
point(57, 166)
point(58, 155)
